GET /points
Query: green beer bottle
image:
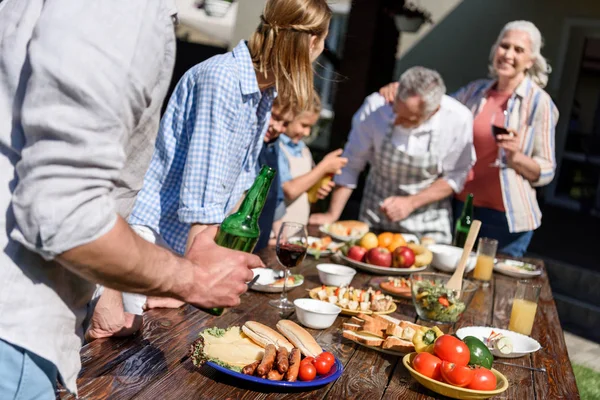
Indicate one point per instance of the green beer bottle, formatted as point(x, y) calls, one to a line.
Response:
point(463, 224)
point(240, 230)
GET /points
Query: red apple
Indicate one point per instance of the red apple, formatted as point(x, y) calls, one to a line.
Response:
point(357, 253)
point(404, 257)
point(379, 256)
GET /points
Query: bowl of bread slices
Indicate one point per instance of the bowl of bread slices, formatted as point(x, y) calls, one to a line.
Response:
point(381, 332)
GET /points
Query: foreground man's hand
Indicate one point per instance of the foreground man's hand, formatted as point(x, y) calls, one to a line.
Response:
point(220, 275)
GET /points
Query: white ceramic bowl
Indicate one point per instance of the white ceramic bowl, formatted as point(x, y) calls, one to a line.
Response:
point(446, 257)
point(335, 274)
point(316, 314)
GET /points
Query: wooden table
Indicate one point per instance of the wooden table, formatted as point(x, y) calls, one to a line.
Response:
point(154, 364)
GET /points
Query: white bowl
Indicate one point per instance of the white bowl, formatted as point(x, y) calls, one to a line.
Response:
point(446, 257)
point(522, 345)
point(316, 314)
point(335, 274)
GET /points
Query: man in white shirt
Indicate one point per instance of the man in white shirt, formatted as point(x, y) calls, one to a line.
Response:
point(420, 149)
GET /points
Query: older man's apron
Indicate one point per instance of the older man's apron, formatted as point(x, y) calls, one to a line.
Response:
point(397, 173)
point(299, 209)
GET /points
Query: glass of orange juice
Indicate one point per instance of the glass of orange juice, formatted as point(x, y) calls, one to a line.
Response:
point(486, 252)
point(524, 307)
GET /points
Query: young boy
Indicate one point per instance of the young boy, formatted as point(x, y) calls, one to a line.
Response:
point(297, 170)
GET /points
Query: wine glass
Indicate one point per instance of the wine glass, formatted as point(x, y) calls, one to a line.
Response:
point(291, 247)
point(499, 125)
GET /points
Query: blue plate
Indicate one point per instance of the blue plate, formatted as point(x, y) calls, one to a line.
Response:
point(334, 373)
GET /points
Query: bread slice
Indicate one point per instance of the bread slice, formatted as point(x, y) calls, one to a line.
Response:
point(299, 337)
point(351, 327)
point(363, 337)
point(386, 319)
point(394, 330)
point(375, 327)
point(356, 320)
point(394, 343)
point(408, 330)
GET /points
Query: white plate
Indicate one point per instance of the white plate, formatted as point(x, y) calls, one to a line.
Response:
point(332, 248)
point(508, 267)
point(522, 345)
point(325, 230)
point(268, 276)
point(374, 269)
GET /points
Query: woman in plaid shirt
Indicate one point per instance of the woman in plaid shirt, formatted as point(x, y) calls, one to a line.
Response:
point(504, 193)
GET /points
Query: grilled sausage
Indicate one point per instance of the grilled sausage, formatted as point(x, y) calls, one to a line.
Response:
point(282, 360)
point(267, 362)
point(274, 375)
point(250, 368)
point(294, 367)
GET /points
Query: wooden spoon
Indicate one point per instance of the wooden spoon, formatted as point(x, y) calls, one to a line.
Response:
point(455, 282)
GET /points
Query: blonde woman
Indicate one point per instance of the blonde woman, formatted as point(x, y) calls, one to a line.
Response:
point(213, 129)
point(514, 99)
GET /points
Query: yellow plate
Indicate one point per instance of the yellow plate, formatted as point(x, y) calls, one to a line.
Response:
point(345, 311)
point(454, 391)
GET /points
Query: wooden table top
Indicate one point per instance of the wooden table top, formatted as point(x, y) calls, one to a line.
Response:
point(154, 364)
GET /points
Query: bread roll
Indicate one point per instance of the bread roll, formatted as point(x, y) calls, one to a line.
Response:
point(300, 338)
point(263, 335)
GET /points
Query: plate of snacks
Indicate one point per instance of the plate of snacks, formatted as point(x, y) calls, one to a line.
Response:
point(517, 269)
point(271, 282)
point(382, 333)
point(354, 301)
point(501, 342)
point(456, 368)
point(345, 231)
point(394, 286)
point(324, 246)
point(257, 353)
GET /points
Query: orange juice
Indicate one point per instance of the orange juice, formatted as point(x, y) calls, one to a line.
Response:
point(483, 268)
point(522, 316)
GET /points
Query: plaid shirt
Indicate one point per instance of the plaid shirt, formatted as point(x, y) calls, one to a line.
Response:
point(534, 116)
point(207, 147)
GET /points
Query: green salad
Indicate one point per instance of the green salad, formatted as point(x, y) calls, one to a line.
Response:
point(436, 302)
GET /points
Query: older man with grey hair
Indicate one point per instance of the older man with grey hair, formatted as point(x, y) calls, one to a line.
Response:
point(420, 149)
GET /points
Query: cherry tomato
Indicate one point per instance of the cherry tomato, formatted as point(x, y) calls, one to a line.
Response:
point(457, 375)
point(428, 365)
point(451, 349)
point(307, 372)
point(327, 356)
point(307, 360)
point(483, 379)
point(322, 366)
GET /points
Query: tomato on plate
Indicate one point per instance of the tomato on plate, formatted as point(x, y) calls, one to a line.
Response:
point(451, 349)
point(307, 372)
point(428, 365)
point(321, 365)
point(483, 379)
point(307, 360)
point(330, 358)
point(457, 375)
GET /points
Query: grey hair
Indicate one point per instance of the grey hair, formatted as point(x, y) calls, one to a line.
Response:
point(540, 69)
point(425, 83)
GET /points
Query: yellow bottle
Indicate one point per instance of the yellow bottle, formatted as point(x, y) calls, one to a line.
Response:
point(312, 192)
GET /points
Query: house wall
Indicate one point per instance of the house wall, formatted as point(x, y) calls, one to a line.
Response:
point(458, 46)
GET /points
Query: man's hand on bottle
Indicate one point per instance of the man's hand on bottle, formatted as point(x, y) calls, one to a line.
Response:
point(221, 274)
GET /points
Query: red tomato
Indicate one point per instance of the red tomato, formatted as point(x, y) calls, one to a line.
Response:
point(327, 356)
point(322, 366)
point(307, 360)
point(457, 375)
point(451, 349)
point(307, 372)
point(428, 365)
point(483, 379)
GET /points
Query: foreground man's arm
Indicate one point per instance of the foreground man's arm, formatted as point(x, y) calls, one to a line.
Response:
point(83, 99)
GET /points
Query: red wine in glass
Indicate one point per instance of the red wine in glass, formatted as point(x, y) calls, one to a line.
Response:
point(291, 255)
